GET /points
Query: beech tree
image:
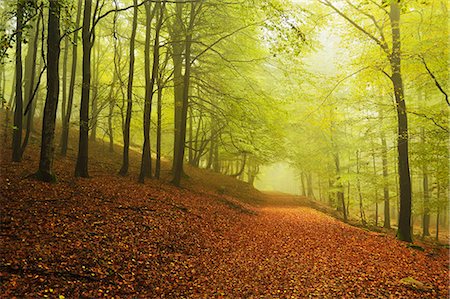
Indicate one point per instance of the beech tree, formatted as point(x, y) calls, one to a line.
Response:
point(81, 168)
point(393, 55)
point(45, 171)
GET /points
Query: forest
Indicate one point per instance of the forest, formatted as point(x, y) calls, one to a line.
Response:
point(136, 134)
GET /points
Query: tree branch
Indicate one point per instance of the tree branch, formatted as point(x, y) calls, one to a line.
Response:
point(435, 80)
point(382, 44)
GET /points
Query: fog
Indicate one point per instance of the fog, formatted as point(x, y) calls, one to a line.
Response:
point(278, 177)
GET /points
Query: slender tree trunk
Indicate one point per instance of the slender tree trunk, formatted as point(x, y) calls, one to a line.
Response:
point(302, 178)
point(45, 171)
point(160, 84)
point(95, 93)
point(191, 133)
point(358, 186)
point(30, 75)
point(404, 224)
point(348, 198)
point(11, 102)
point(330, 193)
point(17, 129)
point(81, 168)
point(2, 80)
point(68, 114)
point(64, 80)
point(178, 169)
point(438, 212)
point(126, 132)
point(158, 129)
point(426, 204)
point(320, 187)
point(111, 102)
point(340, 192)
point(310, 186)
point(387, 215)
point(376, 187)
point(177, 49)
point(146, 162)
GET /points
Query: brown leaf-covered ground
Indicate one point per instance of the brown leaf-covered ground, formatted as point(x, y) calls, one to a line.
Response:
point(109, 236)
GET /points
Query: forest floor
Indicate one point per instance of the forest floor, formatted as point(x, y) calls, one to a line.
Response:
point(109, 236)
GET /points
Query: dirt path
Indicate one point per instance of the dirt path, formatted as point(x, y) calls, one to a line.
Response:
point(297, 252)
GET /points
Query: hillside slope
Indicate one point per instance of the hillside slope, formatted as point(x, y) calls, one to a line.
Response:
point(109, 236)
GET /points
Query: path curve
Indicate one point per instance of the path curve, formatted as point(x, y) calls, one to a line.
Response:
point(291, 251)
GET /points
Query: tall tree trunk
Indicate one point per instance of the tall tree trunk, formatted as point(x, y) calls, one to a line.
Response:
point(310, 186)
point(111, 102)
point(340, 192)
point(358, 186)
point(68, 114)
point(387, 215)
point(178, 169)
point(319, 184)
point(177, 58)
point(126, 131)
point(302, 179)
point(146, 162)
point(158, 128)
point(376, 187)
point(81, 168)
point(29, 84)
point(404, 224)
point(426, 204)
point(95, 94)
point(2, 80)
point(17, 129)
point(11, 101)
point(45, 171)
point(191, 133)
point(438, 212)
point(64, 80)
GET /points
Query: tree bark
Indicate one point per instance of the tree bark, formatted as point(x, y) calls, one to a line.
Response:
point(404, 224)
point(17, 129)
point(45, 171)
point(177, 58)
point(387, 214)
point(340, 192)
point(178, 169)
point(68, 114)
point(126, 132)
point(94, 87)
point(81, 168)
point(358, 186)
point(158, 128)
point(302, 179)
point(111, 102)
point(29, 84)
point(146, 162)
point(64, 80)
point(310, 189)
point(376, 186)
point(426, 204)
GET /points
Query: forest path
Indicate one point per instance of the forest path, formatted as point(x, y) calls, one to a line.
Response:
point(293, 250)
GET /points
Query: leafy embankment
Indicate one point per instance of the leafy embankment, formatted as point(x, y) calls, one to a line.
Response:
point(110, 236)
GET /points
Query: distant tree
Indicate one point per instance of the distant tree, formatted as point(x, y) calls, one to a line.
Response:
point(393, 56)
point(30, 78)
point(68, 113)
